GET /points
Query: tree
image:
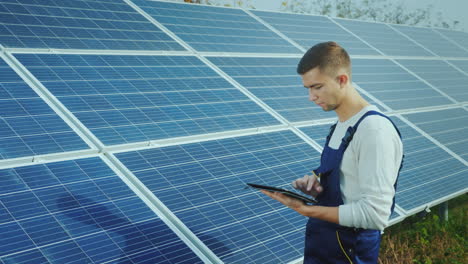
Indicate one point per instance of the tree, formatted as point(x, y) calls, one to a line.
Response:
point(386, 11)
point(226, 3)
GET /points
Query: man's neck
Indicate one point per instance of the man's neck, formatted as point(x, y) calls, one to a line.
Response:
point(351, 105)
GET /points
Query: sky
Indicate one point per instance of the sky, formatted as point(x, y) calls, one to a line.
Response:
point(450, 9)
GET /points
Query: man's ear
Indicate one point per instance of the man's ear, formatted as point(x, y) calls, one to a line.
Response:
point(343, 79)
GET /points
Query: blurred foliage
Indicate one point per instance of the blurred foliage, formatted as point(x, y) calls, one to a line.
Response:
point(428, 240)
point(226, 3)
point(386, 11)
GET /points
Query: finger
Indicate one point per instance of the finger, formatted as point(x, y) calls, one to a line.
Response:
point(318, 188)
point(266, 192)
point(310, 183)
point(272, 195)
point(302, 182)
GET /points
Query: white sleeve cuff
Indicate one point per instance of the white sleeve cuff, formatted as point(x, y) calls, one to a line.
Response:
point(345, 215)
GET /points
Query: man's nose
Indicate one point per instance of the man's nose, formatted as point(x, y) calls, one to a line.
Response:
point(312, 97)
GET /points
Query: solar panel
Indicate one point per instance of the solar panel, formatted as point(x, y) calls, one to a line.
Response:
point(432, 41)
point(429, 173)
point(307, 30)
point(461, 64)
point(124, 99)
point(275, 82)
point(394, 86)
point(204, 185)
point(217, 29)
point(449, 127)
point(79, 24)
point(28, 126)
point(79, 211)
point(459, 37)
point(384, 38)
point(441, 75)
point(317, 133)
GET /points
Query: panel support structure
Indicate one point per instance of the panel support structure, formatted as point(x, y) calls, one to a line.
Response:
point(443, 212)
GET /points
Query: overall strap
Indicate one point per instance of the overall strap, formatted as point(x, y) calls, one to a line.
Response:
point(330, 133)
point(372, 112)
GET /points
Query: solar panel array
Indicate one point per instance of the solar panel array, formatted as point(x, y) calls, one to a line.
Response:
point(128, 129)
point(28, 125)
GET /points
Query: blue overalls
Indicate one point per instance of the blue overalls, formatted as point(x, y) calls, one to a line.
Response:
point(326, 242)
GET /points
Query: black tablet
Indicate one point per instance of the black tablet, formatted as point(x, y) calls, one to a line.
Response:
point(283, 191)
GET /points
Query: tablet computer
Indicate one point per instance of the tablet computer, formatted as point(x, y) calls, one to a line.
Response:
point(303, 198)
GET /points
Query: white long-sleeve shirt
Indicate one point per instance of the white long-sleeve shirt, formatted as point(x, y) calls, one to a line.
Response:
point(368, 170)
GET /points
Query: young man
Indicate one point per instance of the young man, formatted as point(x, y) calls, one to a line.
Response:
point(356, 182)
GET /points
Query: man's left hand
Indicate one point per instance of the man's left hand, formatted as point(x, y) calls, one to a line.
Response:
point(290, 202)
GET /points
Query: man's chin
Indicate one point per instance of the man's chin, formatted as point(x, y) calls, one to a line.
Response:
point(328, 108)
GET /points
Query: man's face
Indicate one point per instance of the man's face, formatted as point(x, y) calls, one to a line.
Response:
point(323, 90)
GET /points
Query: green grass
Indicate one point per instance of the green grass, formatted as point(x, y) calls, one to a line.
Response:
point(426, 240)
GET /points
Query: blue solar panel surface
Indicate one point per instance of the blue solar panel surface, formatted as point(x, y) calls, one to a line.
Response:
point(384, 38)
point(317, 133)
point(79, 211)
point(459, 37)
point(124, 99)
point(79, 24)
point(204, 185)
point(275, 82)
point(441, 75)
point(461, 64)
point(449, 127)
point(433, 41)
point(394, 86)
point(307, 30)
point(429, 173)
point(28, 126)
point(207, 28)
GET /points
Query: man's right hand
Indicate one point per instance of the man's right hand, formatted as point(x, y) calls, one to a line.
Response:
point(308, 184)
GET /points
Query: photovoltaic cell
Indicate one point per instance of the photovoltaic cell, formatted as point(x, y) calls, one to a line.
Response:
point(204, 185)
point(449, 127)
point(394, 215)
point(432, 41)
point(307, 30)
point(417, 185)
point(275, 82)
point(208, 28)
point(461, 64)
point(79, 211)
point(461, 38)
point(317, 133)
point(441, 75)
point(124, 99)
point(393, 85)
point(28, 126)
point(79, 24)
point(384, 38)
